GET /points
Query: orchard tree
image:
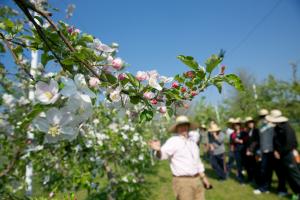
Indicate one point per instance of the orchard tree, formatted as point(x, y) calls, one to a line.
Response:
point(86, 125)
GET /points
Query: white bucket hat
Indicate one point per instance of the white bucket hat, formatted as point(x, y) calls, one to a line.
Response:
point(276, 117)
point(230, 120)
point(263, 112)
point(248, 119)
point(182, 120)
point(237, 121)
point(214, 128)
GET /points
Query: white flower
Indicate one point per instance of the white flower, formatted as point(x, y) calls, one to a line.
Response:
point(94, 82)
point(125, 179)
point(99, 46)
point(80, 105)
point(115, 95)
point(96, 121)
point(162, 109)
point(57, 125)
point(78, 85)
point(126, 127)
point(141, 157)
point(8, 99)
point(141, 76)
point(47, 93)
point(149, 95)
point(153, 80)
point(113, 127)
point(165, 79)
point(136, 137)
point(23, 101)
point(117, 63)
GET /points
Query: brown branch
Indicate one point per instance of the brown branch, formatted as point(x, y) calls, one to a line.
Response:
point(11, 165)
point(23, 67)
point(25, 5)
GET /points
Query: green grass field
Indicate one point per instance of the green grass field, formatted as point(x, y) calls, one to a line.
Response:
point(229, 189)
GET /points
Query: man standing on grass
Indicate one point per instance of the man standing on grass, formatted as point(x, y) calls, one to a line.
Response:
point(185, 163)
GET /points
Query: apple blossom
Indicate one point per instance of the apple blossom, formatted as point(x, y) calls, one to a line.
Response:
point(162, 109)
point(190, 74)
point(165, 79)
point(194, 93)
point(115, 96)
point(8, 99)
point(47, 93)
point(99, 46)
point(175, 85)
point(94, 82)
point(149, 95)
point(57, 125)
point(78, 85)
point(117, 63)
point(141, 76)
point(154, 101)
point(183, 89)
point(153, 83)
point(122, 76)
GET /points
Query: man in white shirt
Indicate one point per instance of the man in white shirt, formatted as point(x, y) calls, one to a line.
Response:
point(185, 163)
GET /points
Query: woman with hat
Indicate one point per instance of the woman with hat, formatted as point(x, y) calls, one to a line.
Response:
point(285, 146)
point(238, 138)
point(217, 150)
point(251, 146)
point(185, 163)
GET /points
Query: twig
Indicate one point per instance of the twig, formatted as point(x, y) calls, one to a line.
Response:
point(15, 56)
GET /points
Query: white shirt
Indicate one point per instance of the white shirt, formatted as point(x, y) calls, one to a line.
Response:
point(183, 154)
point(194, 135)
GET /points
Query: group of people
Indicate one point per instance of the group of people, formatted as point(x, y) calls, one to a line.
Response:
point(257, 147)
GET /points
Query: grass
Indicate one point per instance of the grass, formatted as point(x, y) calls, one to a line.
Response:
point(230, 189)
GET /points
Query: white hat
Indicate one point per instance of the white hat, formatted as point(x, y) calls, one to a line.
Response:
point(236, 121)
point(214, 128)
point(182, 120)
point(276, 117)
point(231, 120)
point(263, 112)
point(248, 119)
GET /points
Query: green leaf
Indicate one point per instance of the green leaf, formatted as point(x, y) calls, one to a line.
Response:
point(39, 19)
point(235, 81)
point(146, 115)
point(111, 79)
point(68, 61)
point(45, 58)
point(179, 78)
point(189, 61)
point(212, 62)
point(86, 38)
point(134, 99)
point(132, 80)
point(2, 49)
point(218, 86)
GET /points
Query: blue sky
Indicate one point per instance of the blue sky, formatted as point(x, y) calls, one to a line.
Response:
point(152, 33)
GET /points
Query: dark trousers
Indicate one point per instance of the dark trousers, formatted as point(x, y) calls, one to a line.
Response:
point(217, 163)
point(266, 171)
point(280, 173)
point(230, 162)
point(238, 155)
point(292, 172)
point(252, 169)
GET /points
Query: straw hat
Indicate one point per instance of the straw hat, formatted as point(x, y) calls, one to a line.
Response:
point(182, 120)
point(248, 119)
point(230, 120)
point(214, 128)
point(263, 112)
point(237, 121)
point(203, 126)
point(276, 117)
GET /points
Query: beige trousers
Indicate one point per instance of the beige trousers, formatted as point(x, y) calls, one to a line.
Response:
point(188, 188)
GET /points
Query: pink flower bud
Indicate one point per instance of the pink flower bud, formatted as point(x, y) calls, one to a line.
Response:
point(175, 85)
point(70, 29)
point(154, 101)
point(190, 74)
point(183, 89)
point(94, 82)
point(222, 72)
point(194, 93)
point(122, 76)
point(162, 109)
point(149, 95)
point(117, 63)
point(141, 76)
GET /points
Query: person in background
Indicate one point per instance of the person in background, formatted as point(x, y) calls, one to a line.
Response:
point(251, 146)
point(185, 163)
point(204, 141)
point(238, 138)
point(217, 150)
point(285, 149)
point(195, 136)
point(231, 159)
point(266, 134)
